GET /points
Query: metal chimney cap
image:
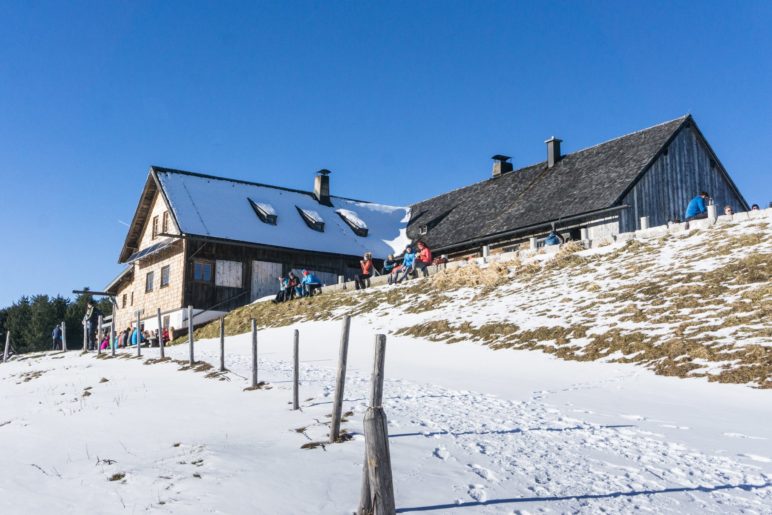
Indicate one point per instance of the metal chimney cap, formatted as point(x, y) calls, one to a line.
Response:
point(324, 171)
point(501, 157)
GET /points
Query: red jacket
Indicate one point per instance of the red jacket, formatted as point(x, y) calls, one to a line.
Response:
point(366, 266)
point(425, 256)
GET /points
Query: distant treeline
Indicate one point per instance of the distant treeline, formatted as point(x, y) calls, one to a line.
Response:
point(32, 319)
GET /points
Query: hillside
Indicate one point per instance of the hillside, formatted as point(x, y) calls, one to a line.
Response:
point(694, 304)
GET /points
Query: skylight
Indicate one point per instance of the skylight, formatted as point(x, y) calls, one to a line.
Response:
point(352, 220)
point(264, 211)
point(312, 219)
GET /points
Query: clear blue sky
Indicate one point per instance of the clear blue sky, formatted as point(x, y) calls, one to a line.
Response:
point(402, 100)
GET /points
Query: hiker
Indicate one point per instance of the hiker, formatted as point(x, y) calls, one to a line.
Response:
point(424, 258)
point(293, 282)
point(728, 210)
point(366, 265)
point(755, 207)
point(280, 295)
point(388, 265)
point(137, 336)
point(310, 283)
point(56, 336)
point(408, 260)
point(553, 238)
point(697, 208)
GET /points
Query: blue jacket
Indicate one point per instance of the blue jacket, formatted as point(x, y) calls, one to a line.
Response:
point(310, 279)
point(695, 207)
point(57, 334)
point(552, 239)
point(408, 259)
point(134, 337)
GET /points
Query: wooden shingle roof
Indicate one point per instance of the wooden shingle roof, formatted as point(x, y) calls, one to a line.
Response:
point(586, 181)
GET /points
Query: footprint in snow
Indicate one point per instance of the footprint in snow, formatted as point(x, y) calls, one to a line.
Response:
point(477, 492)
point(483, 472)
point(441, 453)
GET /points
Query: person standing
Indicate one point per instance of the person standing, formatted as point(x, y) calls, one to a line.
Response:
point(56, 336)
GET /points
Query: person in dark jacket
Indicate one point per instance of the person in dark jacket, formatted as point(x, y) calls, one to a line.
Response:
point(388, 264)
point(293, 282)
point(697, 208)
point(91, 320)
point(56, 336)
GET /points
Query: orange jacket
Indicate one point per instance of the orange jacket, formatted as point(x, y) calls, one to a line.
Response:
point(425, 256)
point(366, 266)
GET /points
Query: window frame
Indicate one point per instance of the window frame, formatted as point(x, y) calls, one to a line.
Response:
point(149, 280)
point(165, 223)
point(155, 227)
point(203, 263)
point(168, 271)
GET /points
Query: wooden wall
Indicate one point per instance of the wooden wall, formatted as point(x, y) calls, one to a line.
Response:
point(221, 298)
point(673, 180)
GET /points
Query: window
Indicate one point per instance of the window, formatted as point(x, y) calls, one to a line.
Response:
point(202, 271)
point(228, 273)
point(352, 220)
point(312, 219)
point(155, 227)
point(123, 301)
point(422, 230)
point(165, 223)
point(264, 211)
point(149, 282)
point(165, 271)
point(132, 298)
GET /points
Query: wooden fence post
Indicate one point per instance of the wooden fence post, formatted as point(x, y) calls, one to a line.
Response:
point(7, 345)
point(254, 353)
point(379, 462)
point(376, 401)
point(296, 371)
point(340, 382)
point(64, 335)
point(222, 344)
point(139, 337)
point(99, 333)
point(113, 341)
point(160, 334)
point(190, 333)
point(85, 335)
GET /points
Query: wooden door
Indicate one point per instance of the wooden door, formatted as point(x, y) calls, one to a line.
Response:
point(265, 278)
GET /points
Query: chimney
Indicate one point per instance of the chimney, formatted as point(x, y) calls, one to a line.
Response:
point(501, 165)
point(322, 187)
point(553, 151)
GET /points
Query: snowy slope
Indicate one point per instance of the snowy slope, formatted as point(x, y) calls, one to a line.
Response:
point(472, 431)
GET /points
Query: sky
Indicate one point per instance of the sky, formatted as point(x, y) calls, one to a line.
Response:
point(401, 100)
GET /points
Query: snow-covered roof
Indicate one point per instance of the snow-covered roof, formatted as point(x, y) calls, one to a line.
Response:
point(352, 218)
point(220, 208)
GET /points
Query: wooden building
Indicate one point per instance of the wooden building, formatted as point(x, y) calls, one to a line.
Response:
point(593, 193)
point(216, 244)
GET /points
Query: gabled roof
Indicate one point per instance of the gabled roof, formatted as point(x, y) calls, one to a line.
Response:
point(586, 181)
point(220, 208)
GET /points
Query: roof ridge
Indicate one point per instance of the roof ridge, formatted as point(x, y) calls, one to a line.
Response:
point(680, 118)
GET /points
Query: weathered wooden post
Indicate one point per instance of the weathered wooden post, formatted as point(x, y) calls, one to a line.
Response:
point(379, 462)
point(644, 223)
point(99, 332)
point(340, 382)
point(160, 334)
point(139, 337)
point(7, 345)
point(85, 335)
point(64, 336)
point(532, 243)
point(712, 212)
point(190, 333)
point(113, 341)
point(254, 353)
point(296, 371)
point(376, 401)
point(222, 344)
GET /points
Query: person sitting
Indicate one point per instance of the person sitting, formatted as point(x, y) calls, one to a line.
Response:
point(105, 342)
point(408, 262)
point(293, 282)
point(553, 238)
point(366, 265)
point(755, 207)
point(311, 284)
point(424, 259)
point(388, 265)
point(280, 295)
point(696, 208)
point(728, 210)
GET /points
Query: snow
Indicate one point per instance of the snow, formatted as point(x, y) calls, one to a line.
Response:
point(471, 431)
point(220, 208)
point(352, 217)
point(313, 216)
point(266, 208)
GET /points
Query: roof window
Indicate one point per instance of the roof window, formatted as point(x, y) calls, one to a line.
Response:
point(312, 219)
point(265, 212)
point(352, 220)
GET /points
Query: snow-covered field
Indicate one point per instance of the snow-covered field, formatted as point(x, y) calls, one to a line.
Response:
point(471, 431)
